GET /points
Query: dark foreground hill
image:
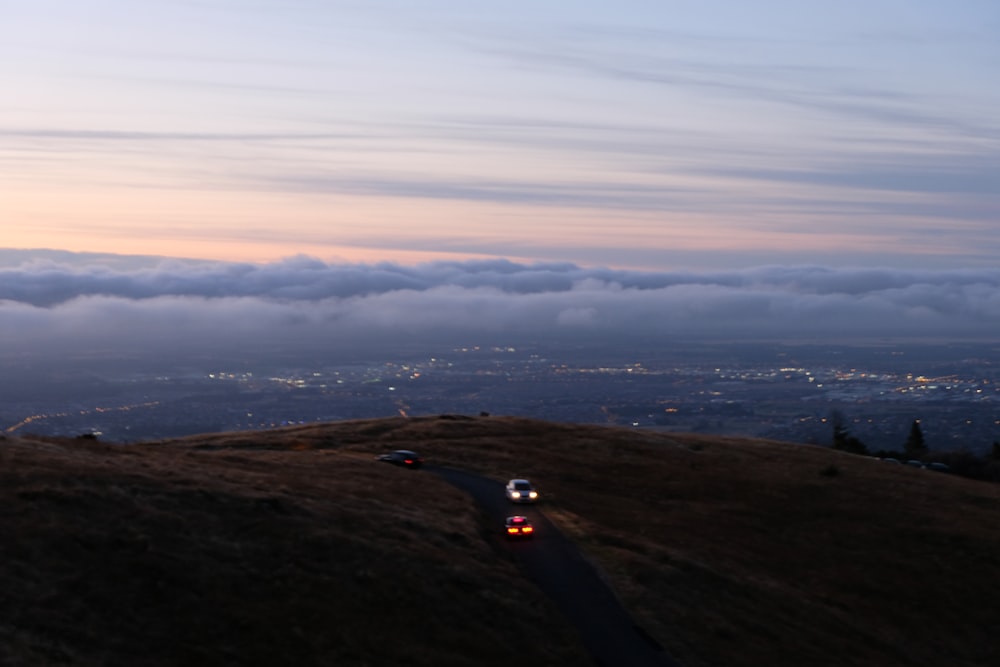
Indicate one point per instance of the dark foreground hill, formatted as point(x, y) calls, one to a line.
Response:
point(293, 547)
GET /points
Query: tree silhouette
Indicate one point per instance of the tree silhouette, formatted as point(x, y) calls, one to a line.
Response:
point(915, 446)
point(840, 432)
point(842, 438)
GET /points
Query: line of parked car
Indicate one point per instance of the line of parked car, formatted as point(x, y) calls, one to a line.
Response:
point(933, 465)
point(518, 491)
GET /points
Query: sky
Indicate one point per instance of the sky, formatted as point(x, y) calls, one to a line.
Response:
point(637, 135)
point(199, 173)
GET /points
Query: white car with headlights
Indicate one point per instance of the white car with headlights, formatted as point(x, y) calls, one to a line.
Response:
point(521, 491)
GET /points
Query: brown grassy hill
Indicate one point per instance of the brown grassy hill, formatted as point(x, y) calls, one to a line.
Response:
point(293, 546)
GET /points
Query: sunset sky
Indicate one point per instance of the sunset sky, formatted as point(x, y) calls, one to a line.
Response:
point(642, 135)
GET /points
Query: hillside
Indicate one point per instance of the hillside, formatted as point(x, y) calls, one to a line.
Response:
point(293, 546)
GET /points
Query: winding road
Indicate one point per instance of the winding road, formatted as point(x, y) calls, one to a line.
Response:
point(558, 568)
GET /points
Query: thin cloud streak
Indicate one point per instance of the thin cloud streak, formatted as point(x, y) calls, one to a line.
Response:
point(825, 91)
point(133, 136)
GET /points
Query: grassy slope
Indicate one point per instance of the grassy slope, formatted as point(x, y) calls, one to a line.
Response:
point(293, 546)
point(171, 555)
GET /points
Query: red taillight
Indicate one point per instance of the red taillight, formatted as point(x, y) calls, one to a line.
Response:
point(512, 530)
point(408, 461)
point(528, 529)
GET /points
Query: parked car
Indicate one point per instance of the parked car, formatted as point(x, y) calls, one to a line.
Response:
point(518, 527)
point(521, 491)
point(402, 457)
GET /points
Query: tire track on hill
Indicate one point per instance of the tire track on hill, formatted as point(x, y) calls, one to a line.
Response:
point(557, 567)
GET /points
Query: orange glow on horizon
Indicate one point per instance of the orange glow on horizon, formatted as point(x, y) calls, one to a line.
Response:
point(264, 227)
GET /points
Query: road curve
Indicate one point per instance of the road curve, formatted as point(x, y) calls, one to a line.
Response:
point(558, 568)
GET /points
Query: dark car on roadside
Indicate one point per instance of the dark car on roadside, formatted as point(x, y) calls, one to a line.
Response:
point(519, 527)
point(402, 457)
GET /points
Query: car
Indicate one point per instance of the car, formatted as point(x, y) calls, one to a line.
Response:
point(402, 457)
point(521, 491)
point(519, 527)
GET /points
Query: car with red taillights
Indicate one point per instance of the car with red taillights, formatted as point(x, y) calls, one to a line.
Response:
point(519, 526)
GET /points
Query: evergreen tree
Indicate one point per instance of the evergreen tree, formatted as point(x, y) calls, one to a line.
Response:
point(915, 446)
point(842, 438)
point(840, 433)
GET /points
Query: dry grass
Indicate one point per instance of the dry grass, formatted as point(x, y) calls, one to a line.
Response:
point(179, 555)
point(292, 546)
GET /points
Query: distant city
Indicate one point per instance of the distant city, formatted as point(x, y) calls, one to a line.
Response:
point(784, 392)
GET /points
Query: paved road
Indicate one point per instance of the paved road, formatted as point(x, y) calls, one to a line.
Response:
point(556, 566)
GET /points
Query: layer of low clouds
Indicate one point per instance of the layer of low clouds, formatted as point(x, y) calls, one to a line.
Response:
point(61, 304)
